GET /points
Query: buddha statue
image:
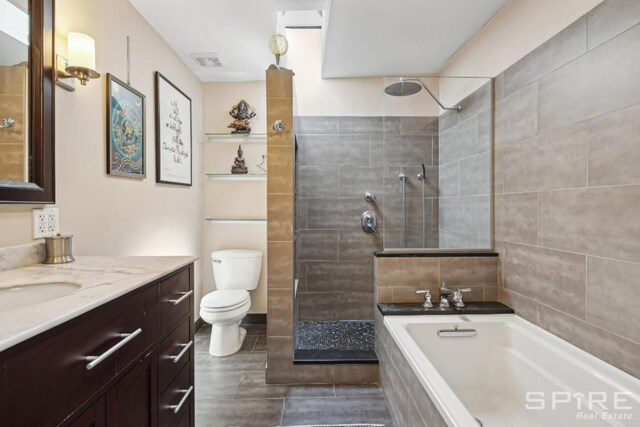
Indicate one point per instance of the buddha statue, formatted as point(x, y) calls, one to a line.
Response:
point(239, 166)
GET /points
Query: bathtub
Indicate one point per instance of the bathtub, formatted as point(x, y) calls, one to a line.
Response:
point(502, 371)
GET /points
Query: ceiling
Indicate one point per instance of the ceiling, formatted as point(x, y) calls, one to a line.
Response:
point(399, 37)
point(362, 37)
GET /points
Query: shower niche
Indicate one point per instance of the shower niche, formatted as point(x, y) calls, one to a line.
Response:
point(423, 170)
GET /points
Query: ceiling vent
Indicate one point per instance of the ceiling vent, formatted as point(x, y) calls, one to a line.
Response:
point(207, 60)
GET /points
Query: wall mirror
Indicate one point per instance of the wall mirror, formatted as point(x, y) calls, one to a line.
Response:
point(27, 170)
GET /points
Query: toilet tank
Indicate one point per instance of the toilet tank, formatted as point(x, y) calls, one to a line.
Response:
point(236, 268)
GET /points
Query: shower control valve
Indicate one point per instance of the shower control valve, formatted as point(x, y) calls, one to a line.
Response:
point(369, 197)
point(369, 222)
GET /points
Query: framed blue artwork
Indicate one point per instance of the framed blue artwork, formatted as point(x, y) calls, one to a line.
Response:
point(125, 130)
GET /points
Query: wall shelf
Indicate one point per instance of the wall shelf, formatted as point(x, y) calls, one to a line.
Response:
point(235, 138)
point(236, 221)
point(236, 177)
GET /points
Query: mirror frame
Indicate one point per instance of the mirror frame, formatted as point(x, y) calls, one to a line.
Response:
point(41, 112)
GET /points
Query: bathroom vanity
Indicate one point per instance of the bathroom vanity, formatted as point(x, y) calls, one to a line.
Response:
point(116, 351)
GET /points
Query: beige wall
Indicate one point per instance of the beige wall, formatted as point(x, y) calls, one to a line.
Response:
point(517, 29)
point(109, 215)
point(315, 96)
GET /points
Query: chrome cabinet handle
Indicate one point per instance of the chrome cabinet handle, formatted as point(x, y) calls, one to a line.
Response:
point(187, 392)
point(186, 348)
point(184, 296)
point(96, 360)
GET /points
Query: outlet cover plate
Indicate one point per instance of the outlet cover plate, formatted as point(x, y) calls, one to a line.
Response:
point(46, 223)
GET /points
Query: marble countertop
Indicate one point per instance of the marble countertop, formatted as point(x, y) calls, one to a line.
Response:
point(102, 279)
point(413, 309)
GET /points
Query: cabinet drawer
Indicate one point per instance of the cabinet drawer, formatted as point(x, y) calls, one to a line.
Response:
point(175, 352)
point(175, 402)
point(176, 299)
point(49, 379)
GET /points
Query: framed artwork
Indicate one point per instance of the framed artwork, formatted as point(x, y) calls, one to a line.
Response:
point(173, 134)
point(125, 130)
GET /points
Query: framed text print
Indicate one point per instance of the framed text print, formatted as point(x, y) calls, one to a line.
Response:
point(173, 133)
point(125, 130)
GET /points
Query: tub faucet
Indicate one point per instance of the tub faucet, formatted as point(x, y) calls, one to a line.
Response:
point(451, 295)
point(427, 297)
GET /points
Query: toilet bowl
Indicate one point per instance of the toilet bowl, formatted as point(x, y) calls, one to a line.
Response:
point(236, 272)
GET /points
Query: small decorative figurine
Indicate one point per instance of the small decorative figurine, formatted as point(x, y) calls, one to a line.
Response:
point(242, 112)
point(239, 166)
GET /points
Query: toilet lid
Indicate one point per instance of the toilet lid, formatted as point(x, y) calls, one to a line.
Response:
point(225, 298)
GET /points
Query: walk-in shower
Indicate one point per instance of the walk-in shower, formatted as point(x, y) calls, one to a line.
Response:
point(422, 169)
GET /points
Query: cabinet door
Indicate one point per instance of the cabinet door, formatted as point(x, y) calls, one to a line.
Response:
point(133, 401)
point(92, 417)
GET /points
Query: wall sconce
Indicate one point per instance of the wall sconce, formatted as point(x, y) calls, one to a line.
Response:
point(81, 64)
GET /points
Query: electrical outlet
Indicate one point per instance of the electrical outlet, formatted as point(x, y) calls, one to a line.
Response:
point(53, 221)
point(40, 224)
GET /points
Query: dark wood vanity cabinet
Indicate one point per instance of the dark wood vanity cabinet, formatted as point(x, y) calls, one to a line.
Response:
point(146, 378)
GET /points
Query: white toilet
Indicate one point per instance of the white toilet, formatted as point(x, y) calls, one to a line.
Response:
point(236, 272)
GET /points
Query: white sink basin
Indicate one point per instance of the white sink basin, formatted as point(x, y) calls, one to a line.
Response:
point(34, 293)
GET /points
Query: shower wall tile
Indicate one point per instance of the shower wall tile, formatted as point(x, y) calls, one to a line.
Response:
point(418, 125)
point(376, 150)
point(317, 181)
point(395, 238)
point(391, 125)
point(517, 217)
point(498, 87)
point(356, 180)
point(416, 211)
point(331, 213)
point(280, 305)
point(332, 150)
point(478, 101)
point(599, 221)
point(280, 265)
point(610, 19)
point(566, 225)
point(315, 125)
point(517, 116)
point(332, 276)
point(613, 148)
point(301, 213)
point(551, 277)
point(620, 352)
point(407, 271)
point(317, 245)
point(602, 81)
point(460, 142)
point(280, 169)
point(447, 120)
point(413, 187)
point(356, 245)
point(474, 175)
point(449, 179)
point(407, 150)
point(557, 159)
point(348, 125)
point(562, 48)
point(280, 217)
point(469, 271)
point(336, 305)
point(610, 286)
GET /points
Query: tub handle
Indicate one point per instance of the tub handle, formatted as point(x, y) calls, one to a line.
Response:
point(456, 332)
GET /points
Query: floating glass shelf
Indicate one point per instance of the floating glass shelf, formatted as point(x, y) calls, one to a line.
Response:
point(238, 138)
point(236, 220)
point(236, 177)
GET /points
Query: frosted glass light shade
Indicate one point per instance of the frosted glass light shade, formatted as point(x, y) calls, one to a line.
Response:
point(278, 44)
point(82, 50)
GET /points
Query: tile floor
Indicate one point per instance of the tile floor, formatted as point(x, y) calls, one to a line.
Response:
point(231, 392)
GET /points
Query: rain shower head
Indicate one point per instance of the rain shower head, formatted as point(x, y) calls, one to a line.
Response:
point(403, 88)
point(409, 86)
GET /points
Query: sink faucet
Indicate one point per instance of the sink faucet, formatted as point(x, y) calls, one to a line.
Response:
point(454, 296)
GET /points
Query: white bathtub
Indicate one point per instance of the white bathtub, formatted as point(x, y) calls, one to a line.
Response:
point(488, 376)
